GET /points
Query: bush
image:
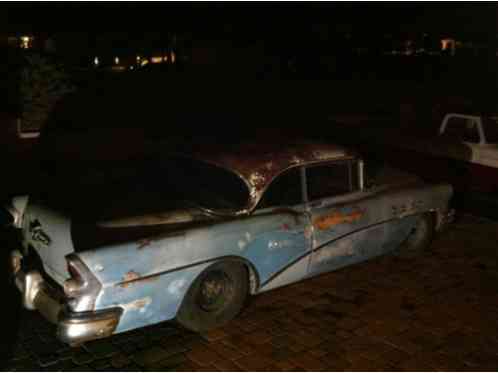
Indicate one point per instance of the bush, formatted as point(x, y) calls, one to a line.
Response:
point(43, 84)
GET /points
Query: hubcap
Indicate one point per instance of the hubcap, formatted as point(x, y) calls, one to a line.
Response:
point(216, 290)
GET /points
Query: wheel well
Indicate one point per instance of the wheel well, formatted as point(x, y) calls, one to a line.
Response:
point(436, 217)
point(252, 273)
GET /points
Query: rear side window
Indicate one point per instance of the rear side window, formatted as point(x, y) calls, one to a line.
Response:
point(331, 180)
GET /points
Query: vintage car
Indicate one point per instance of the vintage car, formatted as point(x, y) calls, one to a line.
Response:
point(218, 226)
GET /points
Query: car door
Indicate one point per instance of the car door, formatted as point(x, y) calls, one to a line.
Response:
point(344, 223)
point(287, 247)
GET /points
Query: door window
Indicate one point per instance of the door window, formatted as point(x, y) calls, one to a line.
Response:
point(331, 180)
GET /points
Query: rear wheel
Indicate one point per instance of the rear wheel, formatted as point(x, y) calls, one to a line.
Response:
point(215, 297)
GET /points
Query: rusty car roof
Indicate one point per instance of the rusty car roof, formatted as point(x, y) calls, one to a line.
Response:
point(258, 164)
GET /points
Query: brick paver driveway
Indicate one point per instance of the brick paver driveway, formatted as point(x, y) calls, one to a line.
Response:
point(436, 311)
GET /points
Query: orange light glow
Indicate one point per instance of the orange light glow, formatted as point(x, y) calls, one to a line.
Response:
point(156, 59)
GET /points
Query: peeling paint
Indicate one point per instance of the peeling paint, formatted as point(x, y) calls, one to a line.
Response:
point(129, 277)
point(337, 217)
point(176, 287)
point(138, 305)
point(242, 245)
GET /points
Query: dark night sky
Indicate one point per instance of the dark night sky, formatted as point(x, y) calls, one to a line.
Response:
point(252, 18)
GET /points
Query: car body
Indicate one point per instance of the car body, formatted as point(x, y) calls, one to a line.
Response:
point(255, 217)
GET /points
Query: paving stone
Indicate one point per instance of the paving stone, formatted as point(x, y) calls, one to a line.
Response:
point(227, 366)
point(203, 355)
point(149, 356)
point(128, 348)
point(169, 364)
point(308, 362)
point(120, 360)
point(173, 349)
point(281, 353)
point(101, 365)
point(81, 368)
point(82, 358)
point(102, 349)
point(61, 366)
point(48, 359)
point(25, 365)
point(132, 368)
point(225, 351)
point(253, 363)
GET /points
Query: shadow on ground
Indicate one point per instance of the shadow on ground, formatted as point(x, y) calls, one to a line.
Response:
point(11, 306)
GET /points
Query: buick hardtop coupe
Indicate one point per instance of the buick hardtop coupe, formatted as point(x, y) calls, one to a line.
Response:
point(190, 237)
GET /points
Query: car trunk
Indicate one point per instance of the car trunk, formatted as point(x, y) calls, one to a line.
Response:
point(54, 234)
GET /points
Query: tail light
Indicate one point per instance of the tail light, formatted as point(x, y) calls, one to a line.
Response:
point(82, 287)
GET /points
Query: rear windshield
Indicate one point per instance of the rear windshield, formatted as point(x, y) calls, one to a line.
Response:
point(143, 186)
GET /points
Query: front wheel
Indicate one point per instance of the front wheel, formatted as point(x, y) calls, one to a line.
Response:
point(419, 238)
point(215, 297)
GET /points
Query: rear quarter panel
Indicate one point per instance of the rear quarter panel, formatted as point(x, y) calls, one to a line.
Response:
point(149, 278)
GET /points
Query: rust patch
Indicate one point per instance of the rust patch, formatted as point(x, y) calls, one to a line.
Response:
point(128, 278)
point(133, 278)
point(336, 218)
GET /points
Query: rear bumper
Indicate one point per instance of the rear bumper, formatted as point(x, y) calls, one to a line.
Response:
point(72, 327)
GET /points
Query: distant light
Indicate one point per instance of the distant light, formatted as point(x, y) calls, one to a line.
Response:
point(132, 67)
point(144, 62)
point(173, 57)
point(156, 59)
point(166, 58)
point(138, 59)
point(116, 60)
point(96, 61)
point(26, 42)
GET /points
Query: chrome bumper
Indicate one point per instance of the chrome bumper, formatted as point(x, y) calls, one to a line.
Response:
point(72, 327)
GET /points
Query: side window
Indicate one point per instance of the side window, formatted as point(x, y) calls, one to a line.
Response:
point(285, 190)
point(331, 180)
point(461, 129)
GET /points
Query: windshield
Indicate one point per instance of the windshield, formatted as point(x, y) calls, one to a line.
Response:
point(131, 187)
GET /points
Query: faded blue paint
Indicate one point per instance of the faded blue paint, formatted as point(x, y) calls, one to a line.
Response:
point(148, 281)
